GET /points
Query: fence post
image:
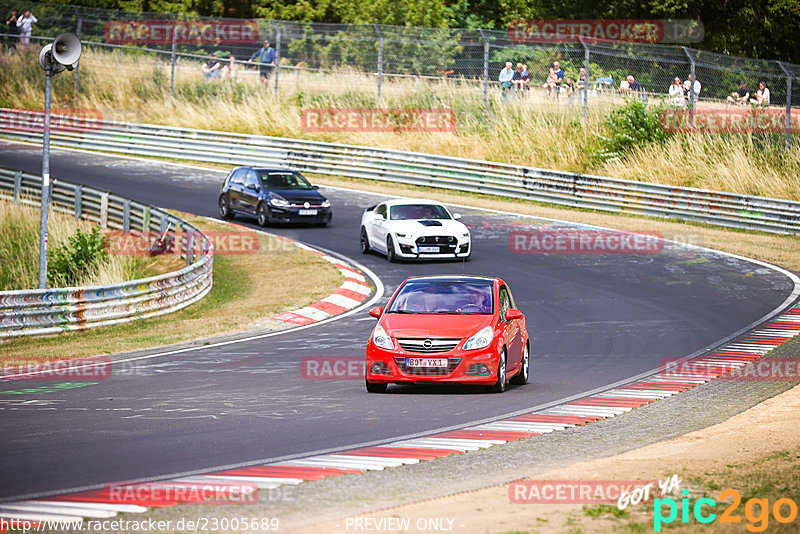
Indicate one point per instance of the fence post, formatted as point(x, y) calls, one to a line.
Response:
point(380, 63)
point(691, 84)
point(103, 210)
point(277, 54)
point(788, 102)
point(485, 71)
point(126, 216)
point(17, 185)
point(78, 66)
point(585, 101)
point(173, 55)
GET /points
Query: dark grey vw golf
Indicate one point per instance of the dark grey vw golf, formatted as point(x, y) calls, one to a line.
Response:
point(273, 196)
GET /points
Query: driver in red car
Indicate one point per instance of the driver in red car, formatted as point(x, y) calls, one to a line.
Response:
point(477, 302)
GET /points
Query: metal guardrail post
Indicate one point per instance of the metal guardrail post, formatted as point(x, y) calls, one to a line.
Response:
point(485, 71)
point(788, 103)
point(164, 223)
point(126, 216)
point(380, 64)
point(146, 219)
point(173, 57)
point(78, 66)
point(17, 185)
point(277, 54)
point(103, 210)
point(78, 201)
point(691, 83)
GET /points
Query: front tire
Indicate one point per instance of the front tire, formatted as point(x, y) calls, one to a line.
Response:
point(262, 215)
point(500, 385)
point(521, 378)
point(364, 241)
point(224, 205)
point(375, 387)
point(390, 254)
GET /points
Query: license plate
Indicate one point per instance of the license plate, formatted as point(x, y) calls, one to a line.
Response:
point(429, 249)
point(426, 362)
point(306, 212)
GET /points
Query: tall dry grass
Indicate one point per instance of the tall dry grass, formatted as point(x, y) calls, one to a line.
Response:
point(19, 250)
point(535, 131)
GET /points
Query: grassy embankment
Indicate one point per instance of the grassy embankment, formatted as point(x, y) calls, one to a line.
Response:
point(245, 292)
point(535, 132)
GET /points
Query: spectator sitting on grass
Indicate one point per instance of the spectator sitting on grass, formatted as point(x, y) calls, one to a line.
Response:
point(506, 75)
point(212, 68)
point(559, 73)
point(229, 70)
point(569, 87)
point(551, 84)
point(676, 93)
point(525, 76)
point(762, 95)
point(740, 96)
point(516, 79)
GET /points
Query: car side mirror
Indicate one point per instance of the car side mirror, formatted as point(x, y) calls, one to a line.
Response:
point(314, 187)
point(457, 216)
point(513, 313)
point(376, 312)
point(254, 187)
point(378, 216)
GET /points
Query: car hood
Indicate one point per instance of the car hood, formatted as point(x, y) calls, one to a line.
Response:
point(401, 325)
point(429, 227)
point(299, 195)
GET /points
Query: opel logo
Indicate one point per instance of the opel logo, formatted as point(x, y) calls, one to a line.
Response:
point(427, 343)
point(306, 205)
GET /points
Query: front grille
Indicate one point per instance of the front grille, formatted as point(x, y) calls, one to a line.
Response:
point(452, 363)
point(441, 240)
point(434, 346)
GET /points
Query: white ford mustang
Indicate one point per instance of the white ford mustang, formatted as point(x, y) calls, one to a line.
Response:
point(412, 229)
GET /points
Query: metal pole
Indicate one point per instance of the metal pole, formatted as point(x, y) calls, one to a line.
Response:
point(380, 63)
point(585, 103)
point(174, 58)
point(788, 103)
point(485, 71)
point(45, 205)
point(691, 84)
point(78, 66)
point(277, 56)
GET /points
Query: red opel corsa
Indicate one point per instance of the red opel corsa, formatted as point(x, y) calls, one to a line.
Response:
point(462, 329)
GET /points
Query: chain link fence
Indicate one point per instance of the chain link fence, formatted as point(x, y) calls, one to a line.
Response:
point(379, 62)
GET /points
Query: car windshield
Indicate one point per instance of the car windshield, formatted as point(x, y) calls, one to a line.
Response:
point(417, 211)
point(444, 296)
point(284, 180)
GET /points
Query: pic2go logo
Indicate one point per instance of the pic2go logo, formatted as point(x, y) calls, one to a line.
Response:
point(756, 511)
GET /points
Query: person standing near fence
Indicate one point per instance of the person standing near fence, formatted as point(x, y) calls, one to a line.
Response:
point(676, 93)
point(266, 60)
point(25, 25)
point(12, 30)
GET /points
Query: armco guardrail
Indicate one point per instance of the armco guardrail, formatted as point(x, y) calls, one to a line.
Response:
point(49, 311)
point(541, 185)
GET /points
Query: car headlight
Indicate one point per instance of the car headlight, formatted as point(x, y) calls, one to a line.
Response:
point(381, 338)
point(480, 340)
point(401, 236)
point(326, 204)
point(278, 202)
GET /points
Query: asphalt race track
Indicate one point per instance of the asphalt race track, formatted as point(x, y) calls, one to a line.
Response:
point(594, 320)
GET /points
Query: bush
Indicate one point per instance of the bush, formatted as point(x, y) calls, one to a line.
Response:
point(73, 261)
point(630, 126)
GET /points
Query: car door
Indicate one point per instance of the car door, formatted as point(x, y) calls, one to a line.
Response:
point(235, 186)
point(379, 227)
point(251, 191)
point(513, 343)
